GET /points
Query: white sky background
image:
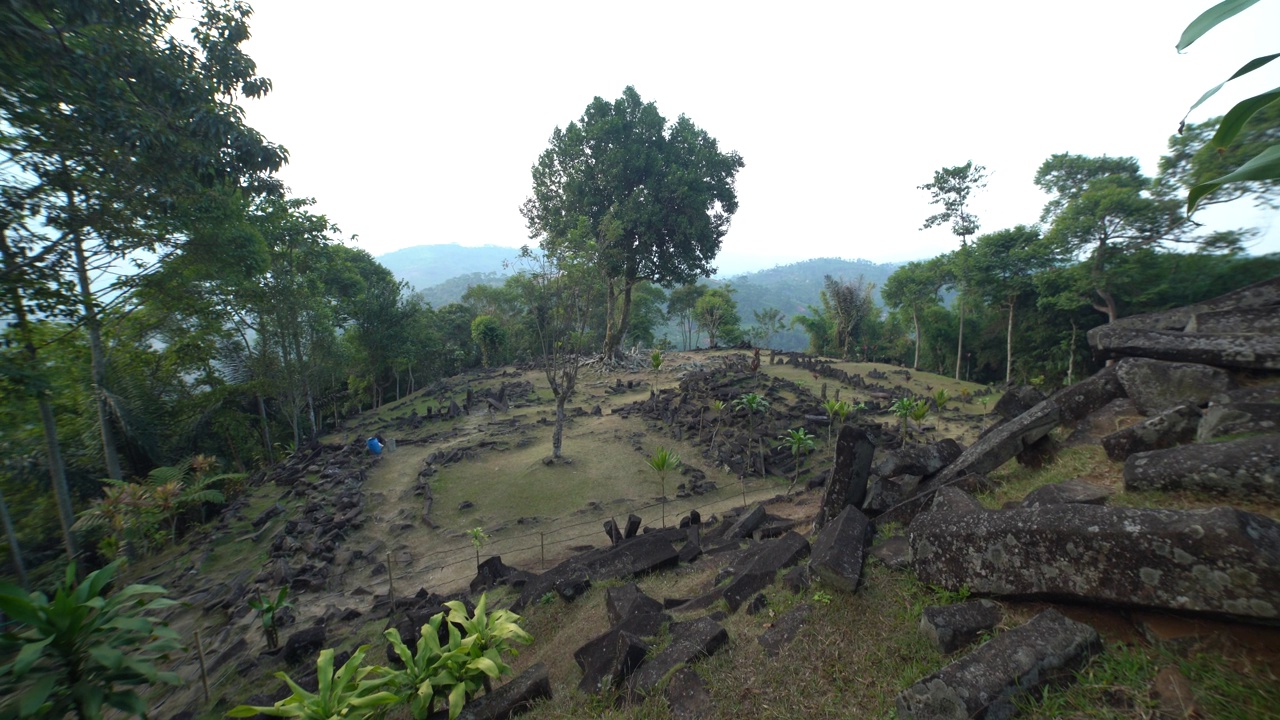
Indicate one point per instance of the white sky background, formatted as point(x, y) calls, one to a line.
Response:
point(417, 123)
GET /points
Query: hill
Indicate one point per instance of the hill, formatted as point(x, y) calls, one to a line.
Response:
point(424, 266)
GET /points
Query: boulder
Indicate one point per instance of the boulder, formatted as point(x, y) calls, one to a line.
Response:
point(1082, 399)
point(600, 656)
point(848, 483)
point(917, 459)
point(1245, 468)
point(840, 548)
point(1171, 428)
point(1017, 400)
point(775, 638)
point(491, 573)
point(1240, 417)
point(626, 600)
point(1067, 492)
point(886, 492)
point(691, 641)
point(759, 566)
point(304, 645)
point(610, 669)
point(687, 696)
point(894, 552)
point(511, 699)
point(746, 524)
point(1220, 560)
point(1258, 352)
point(1156, 386)
point(951, 627)
point(984, 683)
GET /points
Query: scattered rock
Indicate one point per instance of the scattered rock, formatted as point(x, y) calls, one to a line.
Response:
point(775, 638)
point(304, 645)
point(624, 601)
point(951, 627)
point(1017, 400)
point(747, 523)
point(1173, 427)
point(985, 682)
point(840, 548)
point(691, 641)
point(1067, 492)
point(848, 483)
point(688, 697)
point(1172, 692)
point(1247, 468)
point(894, 552)
point(511, 699)
point(1156, 386)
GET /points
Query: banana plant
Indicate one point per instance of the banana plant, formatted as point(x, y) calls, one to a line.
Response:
point(664, 461)
point(267, 610)
point(352, 691)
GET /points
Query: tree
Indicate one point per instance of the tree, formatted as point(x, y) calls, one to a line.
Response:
point(951, 188)
point(714, 312)
point(488, 334)
point(848, 304)
point(635, 198)
point(771, 322)
point(1004, 264)
point(915, 286)
point(680, 307)
point(1103, 207)
point(647, 314)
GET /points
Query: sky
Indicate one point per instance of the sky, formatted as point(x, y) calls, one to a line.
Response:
point(418, 123)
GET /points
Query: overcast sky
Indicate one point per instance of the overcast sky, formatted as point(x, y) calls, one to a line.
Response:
point(417, 123)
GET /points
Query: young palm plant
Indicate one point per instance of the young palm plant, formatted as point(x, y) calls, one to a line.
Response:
point(478, 538)
point(664, 461)
point(800, 442)
point(754, 404)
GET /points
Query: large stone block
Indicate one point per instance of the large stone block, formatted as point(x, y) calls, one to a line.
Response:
point(690, 642)
point(1246, 468)
point(841, 548)
point(848, 483)
point(1220, 560)
point(1261, 352)
point(1168, 429)
point(984, 683)
point(513, 698)
point(1156, 386)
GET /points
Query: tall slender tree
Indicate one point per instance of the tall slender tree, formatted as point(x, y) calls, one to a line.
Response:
point(951, 188)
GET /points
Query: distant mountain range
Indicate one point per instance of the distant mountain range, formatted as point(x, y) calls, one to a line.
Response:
point(442, 273)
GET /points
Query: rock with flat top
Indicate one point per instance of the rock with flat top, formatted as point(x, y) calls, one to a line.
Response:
point(1247, 468)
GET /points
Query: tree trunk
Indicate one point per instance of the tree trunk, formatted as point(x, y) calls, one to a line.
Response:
point(58, 476)
point(624, 320)
point(960, 341)
point(557, 435)
point(1071, 359)
point(915, 319)
point(610, 308)
point(266, 427)
point(1008, 346)
point(97, 361)
point(14, 550)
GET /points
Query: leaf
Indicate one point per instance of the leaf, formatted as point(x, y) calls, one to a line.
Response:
point(36, 695)
point(457, 697)
point(1249, 67)
point(1234, 121)
point(28, 656)
point(1264, 166)
point(109, 657)
point(1210, 18)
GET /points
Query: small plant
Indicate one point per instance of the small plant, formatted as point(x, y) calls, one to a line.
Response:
point(345, 693)
point(267, 610)
point(754, 404)
point(478, 538)
point(902, 407)
point(822, 597)
point(718, 407)
point(799, 441)
point(984, 401)
point(547, 598)
point(941, 398)
point(919, 411)
point(655, 360)
point(84, 650)
point(664, 461)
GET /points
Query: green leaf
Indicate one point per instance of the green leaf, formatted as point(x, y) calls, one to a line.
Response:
point(28, 655)
point(1249, 67)
point(457, 698)
point(1234, 121)
point(36, 695)
point(1209, 19)
point(1264, 166)
point(109, 657)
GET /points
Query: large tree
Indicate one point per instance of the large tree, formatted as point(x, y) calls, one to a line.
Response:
point(951, 188)
point(635, 197)
point(1004, 266)
point(914, 286)
point(1103, 208)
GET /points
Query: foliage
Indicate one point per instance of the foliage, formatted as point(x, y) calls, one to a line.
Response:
point(799, 442)
point(951, 188)
point(655, 360)
point(1264, 166)
point(351, 691)
point(663, 461)
point(83, 650)
point(941, 397)
point(478, 538)
point(488, 334)
point(715, 312)
point(267, 609)
point(634, 197)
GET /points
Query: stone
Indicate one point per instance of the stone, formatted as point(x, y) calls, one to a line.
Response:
point(984, 683)
point(1219, 560)
point(626, 600)
point(1245, 468)
point(691, 641)
point(491, 573)
point(1257, 352)
point(572, 585)
point(611, 529)
point(885, 493)
point(633, 526)
point(919, 460)
point(687, 696)
point(894, 552)
point(1017, 400)
point(796, 580)
point(760, 565)
point(951, 627)
point(758, 604)
point(988, 453)
point(747, 523)
point(847, 486)
point(1078, 401)
point(511, 699)
point(304, 645)
point(1066, 492)
point(777, 637)
point(613, 668)
point(1236, 418)
point(1156, 386)
point(1171, 428)
point(840, 548)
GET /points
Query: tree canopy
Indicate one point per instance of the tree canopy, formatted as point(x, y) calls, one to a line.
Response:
point(637, 197)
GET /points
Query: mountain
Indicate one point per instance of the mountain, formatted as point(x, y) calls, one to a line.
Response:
point(424, 266)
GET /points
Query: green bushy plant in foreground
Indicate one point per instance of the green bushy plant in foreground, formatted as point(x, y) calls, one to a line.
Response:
point(455, 671)
point(83, 651)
